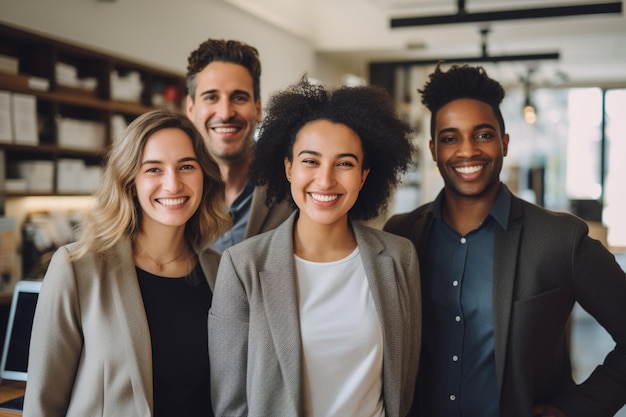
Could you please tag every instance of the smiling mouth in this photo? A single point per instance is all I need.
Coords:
(172, 201)
(226, 129)
(324, 198)
(469, 170)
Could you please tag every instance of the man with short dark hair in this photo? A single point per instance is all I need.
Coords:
(223, 101)
(500, 277)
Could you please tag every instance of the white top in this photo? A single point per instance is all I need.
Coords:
(342, 339)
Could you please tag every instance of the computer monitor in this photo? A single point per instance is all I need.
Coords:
(17, 338)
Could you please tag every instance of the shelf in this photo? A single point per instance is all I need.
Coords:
(52, 150)
(71, 96)
(77, 91)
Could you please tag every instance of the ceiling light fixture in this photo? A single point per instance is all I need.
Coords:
(484, 57)
(536, 13)
(529, 110)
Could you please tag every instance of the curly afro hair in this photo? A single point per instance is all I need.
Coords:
(369, 111)
(461, 81)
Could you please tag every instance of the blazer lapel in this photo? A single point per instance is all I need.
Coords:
(133, 324)
(258, 212)
(504, 267)
(379, 270)
(278, 286)
(421, 232)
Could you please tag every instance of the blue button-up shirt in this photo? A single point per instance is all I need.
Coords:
(458, 352)
(240, 213)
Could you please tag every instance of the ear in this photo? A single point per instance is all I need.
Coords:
(259, 111)
(364, 175)
(287, 168)
(505, 144)
(433, 149)
(189, 107)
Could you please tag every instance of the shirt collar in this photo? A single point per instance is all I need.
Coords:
(500, 210)
(241, 199)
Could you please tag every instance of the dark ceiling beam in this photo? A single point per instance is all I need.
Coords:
(536, 13)
(473, 59)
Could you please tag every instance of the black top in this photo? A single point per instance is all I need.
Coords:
(177, 312)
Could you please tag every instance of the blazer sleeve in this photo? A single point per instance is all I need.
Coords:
(228, 341)
(56, 342)
(600, 288)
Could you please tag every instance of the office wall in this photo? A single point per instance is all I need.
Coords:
(162, 33)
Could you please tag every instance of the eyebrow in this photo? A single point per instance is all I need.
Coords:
(477, 127)
(156, 161)
(217, 90)
(341, 155)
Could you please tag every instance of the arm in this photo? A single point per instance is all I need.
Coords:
(56, 342)
(415, 296)
(600, 288)
(228, 342)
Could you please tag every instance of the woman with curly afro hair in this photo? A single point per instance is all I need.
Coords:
(321, 316)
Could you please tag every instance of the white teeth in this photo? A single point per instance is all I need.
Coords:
(324, 198)
(172, 201)
(225, 129)
(469, 170)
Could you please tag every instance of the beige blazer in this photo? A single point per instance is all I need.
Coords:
(254, 333)
(90, 351)
(263, 218)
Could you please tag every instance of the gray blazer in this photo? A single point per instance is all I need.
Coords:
(544, 262)
(90, 351)
(263, 218)
(254, 333)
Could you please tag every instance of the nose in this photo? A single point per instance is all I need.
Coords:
(326, 177)
(467, 147)
(172, 182)
(224, 109)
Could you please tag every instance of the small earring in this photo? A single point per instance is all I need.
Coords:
(289, 179)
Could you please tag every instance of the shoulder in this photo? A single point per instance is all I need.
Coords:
(390, 241)
(540, 217)
(401, 223)
(252, 244)
(209, 255)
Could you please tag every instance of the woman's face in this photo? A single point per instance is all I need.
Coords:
(326, 173)
(170, 180)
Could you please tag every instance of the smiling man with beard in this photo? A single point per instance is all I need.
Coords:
(500, 277)
(224, 102)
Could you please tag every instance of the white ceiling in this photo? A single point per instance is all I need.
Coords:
(592, 48)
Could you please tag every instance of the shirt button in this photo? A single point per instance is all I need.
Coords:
(455, 358)
(463, 240)
(455, 283)
(457, 318)
(452, 397)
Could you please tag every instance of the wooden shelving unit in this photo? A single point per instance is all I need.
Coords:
(38, 58)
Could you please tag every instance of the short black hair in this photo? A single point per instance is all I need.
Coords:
(368, 110)
(461, 81)
(221, 50)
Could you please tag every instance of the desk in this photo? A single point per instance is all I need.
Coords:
(10, 390)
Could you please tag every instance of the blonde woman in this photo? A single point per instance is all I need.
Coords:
(120, 325)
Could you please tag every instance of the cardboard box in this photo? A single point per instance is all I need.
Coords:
(6, 121)
(81, 134)
(69, 175)
(38, 175)
(24, 110)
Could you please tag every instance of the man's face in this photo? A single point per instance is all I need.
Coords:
(224, 110)
(468, 147)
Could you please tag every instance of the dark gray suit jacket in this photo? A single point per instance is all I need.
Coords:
(254, 333)
(544, 263)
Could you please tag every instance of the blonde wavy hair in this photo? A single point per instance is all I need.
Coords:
(117, 214)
